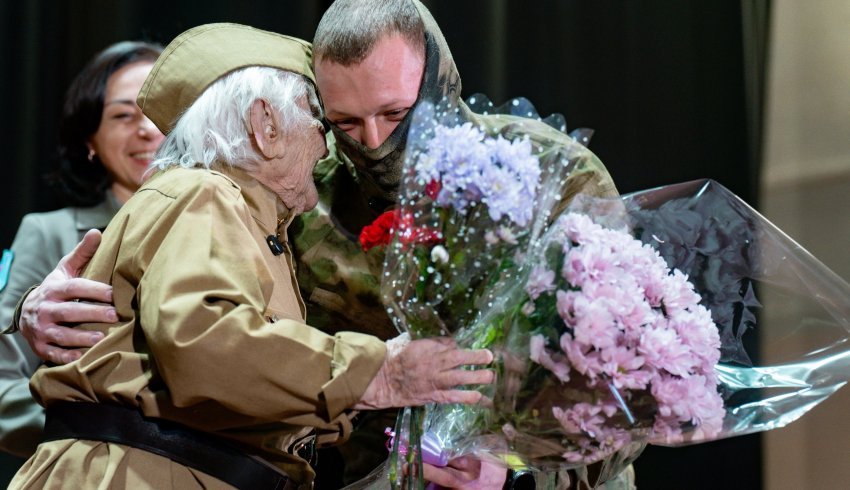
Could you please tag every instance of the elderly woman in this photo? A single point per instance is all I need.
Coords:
(211, 379)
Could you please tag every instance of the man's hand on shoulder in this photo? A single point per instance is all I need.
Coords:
(64, 299)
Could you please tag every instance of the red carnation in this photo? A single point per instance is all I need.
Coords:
(417, 234)
(379, 232)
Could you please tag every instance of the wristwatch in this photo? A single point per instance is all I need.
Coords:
(519, 480)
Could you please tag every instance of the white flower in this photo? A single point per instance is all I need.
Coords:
(507, 235)
(439, 255)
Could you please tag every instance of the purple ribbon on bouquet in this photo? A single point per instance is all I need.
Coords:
(432, 448)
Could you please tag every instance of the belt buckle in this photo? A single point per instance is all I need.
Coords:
(305, 448)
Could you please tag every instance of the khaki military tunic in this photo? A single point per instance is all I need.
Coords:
(211, 335)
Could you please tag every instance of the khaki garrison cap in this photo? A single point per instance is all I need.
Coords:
(202, 55)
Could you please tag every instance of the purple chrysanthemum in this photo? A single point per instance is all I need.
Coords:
(472, 168)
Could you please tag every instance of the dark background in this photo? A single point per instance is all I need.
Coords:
(672, 88)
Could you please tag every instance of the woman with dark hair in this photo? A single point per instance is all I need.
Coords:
(106, 144)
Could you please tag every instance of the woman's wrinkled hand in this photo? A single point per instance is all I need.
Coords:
(426, 371)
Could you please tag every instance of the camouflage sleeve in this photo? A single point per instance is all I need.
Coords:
(338, 280)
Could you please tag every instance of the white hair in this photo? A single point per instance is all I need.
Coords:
(215, 127)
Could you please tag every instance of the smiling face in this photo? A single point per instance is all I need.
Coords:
(125, 140)
(368, 100)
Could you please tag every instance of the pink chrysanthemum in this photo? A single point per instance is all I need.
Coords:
(630, 323)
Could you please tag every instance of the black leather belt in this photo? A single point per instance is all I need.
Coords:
(189, 447)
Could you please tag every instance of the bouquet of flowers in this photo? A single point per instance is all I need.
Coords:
(472, 204)
(612, 314)
(616, 321)
(461, 228)
(603, 348)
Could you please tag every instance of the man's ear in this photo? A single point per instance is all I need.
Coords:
(265, 128)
